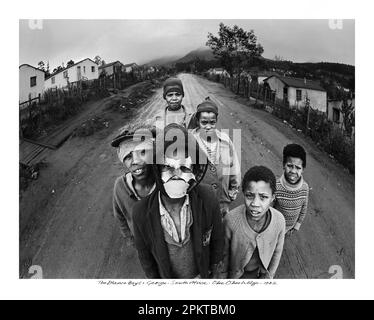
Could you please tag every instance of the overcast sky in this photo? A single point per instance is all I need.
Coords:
(143, 40)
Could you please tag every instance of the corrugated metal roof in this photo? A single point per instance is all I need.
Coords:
(299, 83)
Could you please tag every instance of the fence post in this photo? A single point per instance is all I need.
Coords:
(307, 105)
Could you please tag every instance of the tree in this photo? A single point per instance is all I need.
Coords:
(348, 112)
(97, 60)
(235, 48)
(70, 63)
(41, 65)
(58, 69)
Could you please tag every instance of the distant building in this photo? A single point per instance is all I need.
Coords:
(296, 91)
(85, 69)
(31, 82)
(130, 67)
(260, 76)
(111, 68)
(334, 112)
(218, 72)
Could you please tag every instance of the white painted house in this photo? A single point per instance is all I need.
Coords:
(85, 69)
(296, 91)
(31, 82)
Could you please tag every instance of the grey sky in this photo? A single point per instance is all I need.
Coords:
(143, 40)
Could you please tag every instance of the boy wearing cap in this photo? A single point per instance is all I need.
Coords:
(292, 194)
(223, 172)
(174, 112)
(138, 182)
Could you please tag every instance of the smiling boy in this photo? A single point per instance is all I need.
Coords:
(137, 183)
(292, 192)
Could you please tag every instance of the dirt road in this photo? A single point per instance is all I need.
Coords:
(66, 222)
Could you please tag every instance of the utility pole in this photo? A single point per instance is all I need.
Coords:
(307, 105)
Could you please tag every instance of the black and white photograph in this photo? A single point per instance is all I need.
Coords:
(187, 149)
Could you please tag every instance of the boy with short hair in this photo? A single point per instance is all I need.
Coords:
(174, 112)
(254, 231)
(292, 193)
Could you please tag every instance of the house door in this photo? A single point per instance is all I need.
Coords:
(79, 74)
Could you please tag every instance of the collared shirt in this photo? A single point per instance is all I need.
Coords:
(168, 223)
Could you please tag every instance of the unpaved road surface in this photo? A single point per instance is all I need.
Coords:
(66, 221)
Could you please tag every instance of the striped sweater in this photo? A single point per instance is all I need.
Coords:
(292, 202)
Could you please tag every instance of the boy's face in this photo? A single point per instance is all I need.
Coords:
(208, 121)
(174, 100)
(258, 197)
(293, 170)
(137, 162)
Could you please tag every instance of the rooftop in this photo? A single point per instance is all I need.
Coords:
(299, 83)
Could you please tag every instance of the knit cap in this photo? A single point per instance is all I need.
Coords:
(207, 106)
(173, 84)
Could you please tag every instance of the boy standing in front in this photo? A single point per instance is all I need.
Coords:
(292, 192)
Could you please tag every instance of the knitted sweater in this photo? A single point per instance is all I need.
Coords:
(241, 241)
(292, 202)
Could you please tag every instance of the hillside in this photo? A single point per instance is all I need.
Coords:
(201, 53)
(163, 61)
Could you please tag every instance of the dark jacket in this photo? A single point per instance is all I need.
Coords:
(206, 233)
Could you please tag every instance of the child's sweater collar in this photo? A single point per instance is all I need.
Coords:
(289, 186)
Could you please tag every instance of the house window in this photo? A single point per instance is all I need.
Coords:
(53, 80)
(65, 74)
(93, 69)
(33, 81)
(336, 115)
(84, 69)
(298, 95)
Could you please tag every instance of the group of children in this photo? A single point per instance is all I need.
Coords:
(182, 230)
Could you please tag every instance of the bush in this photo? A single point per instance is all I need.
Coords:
(342, 148)
(91, 126)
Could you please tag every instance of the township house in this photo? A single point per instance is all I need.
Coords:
(31, 83)
(334, 111)
(296, 91)
(85, 69)
(111, 68)
(130, 67)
